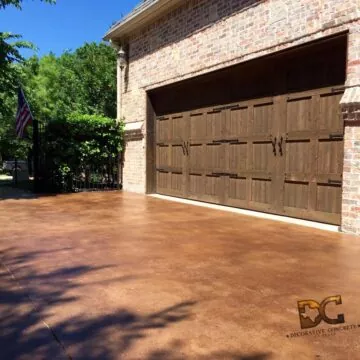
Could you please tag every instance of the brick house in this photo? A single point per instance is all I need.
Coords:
(247, 103)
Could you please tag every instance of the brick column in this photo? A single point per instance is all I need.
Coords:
(350, 106)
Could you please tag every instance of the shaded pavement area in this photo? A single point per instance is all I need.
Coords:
(125, 276)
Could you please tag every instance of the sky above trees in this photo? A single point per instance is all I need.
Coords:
(64, 26)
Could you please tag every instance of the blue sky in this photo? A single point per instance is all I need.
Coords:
(66, 25)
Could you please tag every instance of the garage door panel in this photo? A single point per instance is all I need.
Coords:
(212, 186)
(162, 155)
(176, 182)
(238, 156)
(237, 189)
(330, 112)
(214, 124)
(214, 156)
(177, 128)
(324, 217)
(296, 194)
(263, 115)
(196, 185)
(261, 192)
(239, 122)
(263, 157)
(197, 126)
(328, 198)
(205, 187)
(162, 179)
(298, 157)
(196, 157)
(177, 156)
(313, 156)
(330, 157)
(299, 114)
(163, 129)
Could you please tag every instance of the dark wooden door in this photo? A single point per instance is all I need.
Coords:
(171, 155)
(282, 155)
(206, 155)
(310, 154)
(250, 162)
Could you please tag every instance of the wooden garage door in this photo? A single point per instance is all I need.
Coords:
(282, 155)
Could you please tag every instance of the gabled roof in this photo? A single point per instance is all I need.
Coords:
(145, 12)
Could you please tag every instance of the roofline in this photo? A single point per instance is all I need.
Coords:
(138, 17)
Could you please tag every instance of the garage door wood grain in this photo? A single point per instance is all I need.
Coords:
(282, 154)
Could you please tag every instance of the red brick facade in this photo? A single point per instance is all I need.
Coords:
(200, 36)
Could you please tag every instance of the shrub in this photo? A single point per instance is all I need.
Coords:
(80, 145)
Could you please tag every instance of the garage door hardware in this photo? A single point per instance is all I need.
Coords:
(234, 142)
(336, 136)
(222, 141)
(280, 142)
(185, 147)
(223, 174)
(334, 182)
(162, 170)
(160, 144)
(227, 107)
(273, 142)
(339, 89)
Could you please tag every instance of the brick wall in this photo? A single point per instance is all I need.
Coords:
(350, 104)
(351, 179)
(202, 36)
(134, 165)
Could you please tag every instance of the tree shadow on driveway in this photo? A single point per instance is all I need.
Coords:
(26, 304)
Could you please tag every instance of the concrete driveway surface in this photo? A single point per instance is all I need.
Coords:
(125, 276)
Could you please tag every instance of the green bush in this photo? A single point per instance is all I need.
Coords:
(79, 145)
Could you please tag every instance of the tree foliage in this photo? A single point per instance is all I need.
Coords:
(81, 81)
(18, 3)
(10, 58)
(80, 143)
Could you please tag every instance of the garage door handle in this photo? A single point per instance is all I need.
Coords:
(280, 146)
(274, 145)
(186, 148)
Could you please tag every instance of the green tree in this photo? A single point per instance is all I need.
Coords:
(18, 3)
(10, 56)
(83, 81)
(95, 67)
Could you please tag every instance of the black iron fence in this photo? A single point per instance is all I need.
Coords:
(103, 177)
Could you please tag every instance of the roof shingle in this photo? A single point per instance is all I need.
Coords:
(138, 8)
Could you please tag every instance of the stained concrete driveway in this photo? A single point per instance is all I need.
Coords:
(125, 276)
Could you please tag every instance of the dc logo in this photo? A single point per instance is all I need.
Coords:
(318, 312)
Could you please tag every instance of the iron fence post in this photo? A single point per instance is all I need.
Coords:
(36, 154)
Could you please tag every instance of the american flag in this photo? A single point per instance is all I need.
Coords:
(23, 115)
